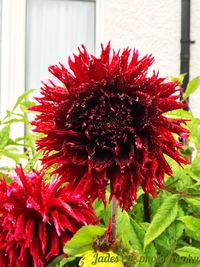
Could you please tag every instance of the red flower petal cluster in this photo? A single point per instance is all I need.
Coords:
(36, 219)
(107, 124)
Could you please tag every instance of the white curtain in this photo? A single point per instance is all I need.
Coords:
(55, 28)
(12, 53)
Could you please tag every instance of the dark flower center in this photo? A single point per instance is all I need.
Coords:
(107, 120)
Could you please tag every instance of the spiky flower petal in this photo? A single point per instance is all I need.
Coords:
(36, 219)
(107, 124)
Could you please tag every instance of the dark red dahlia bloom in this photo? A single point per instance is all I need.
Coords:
(36, 219)
(107, 124)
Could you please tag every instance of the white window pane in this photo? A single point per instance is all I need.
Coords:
(12, 52)
(0, 43)
(55, 28)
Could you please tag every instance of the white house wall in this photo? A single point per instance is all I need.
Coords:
(195, 53)
(153, 27)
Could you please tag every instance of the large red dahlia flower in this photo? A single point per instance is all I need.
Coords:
(107, 124)
(36, 219)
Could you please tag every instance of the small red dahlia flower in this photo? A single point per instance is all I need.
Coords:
(36, 219)
(107, 124)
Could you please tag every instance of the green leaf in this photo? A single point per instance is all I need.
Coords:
(175, 231)
(179, 78)
(139, 231)
(60, 261)
(4, 136)
(55, 262)
(195, 168)
(170, 236)
(163, 218)
(31, 163)
(98, 207)
(106, 214)
(6, 177)
(149, 257)
(25, 105)
(66, 260)
(129, 232)
(24, 120)
(194, 202)
(180, 113)
(29, 140)
(192, 86)
(183, 264)
(14, 156)
(194, 128)
(192, 226)
(82, 241)
(21, 97)
(189, 251)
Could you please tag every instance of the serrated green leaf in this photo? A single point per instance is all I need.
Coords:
(189, 251)
(170, 236)
(129, 232)
(149, 257)
(175, 231)
(139, 230)
(21, 97)
(163, 242)
(192, 86)
(24, 120)
(163, 218)
(183, 261)
(29, 140)
(194, 202)
(188, 264)
(31, 163)
(14, 156)
(172, 264)
(157, 201)
(82, 241)
(178, 261)
(192, 226)
(4, 136)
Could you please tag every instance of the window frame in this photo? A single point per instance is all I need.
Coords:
(0, 40)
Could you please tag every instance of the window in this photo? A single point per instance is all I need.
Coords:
(39, 33)
(54, 30)
(0, 40)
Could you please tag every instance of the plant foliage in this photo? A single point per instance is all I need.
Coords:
(170, 239)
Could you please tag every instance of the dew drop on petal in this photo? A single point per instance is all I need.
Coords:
(9, 206)
(29, 204)
(122, 171)
(9, 191)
